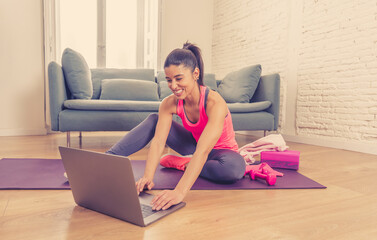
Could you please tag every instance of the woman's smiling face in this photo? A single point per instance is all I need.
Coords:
(181, 80)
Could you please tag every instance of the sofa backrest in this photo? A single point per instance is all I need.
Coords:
(164, 91)
(98, 74)
(269, 90)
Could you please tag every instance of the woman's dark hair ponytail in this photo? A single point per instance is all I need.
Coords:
(190, 56)
(198, 55)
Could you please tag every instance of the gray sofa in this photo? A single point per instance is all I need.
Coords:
(122, 98)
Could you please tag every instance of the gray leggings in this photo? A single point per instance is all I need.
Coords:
(222, 165)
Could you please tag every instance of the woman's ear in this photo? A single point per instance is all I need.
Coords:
(196, 73)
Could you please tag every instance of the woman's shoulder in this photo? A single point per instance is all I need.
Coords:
(215, 97)
(169, 103)
(214, 100)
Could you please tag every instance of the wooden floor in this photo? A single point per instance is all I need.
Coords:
(347, 209)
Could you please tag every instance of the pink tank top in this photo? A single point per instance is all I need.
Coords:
(227, 139)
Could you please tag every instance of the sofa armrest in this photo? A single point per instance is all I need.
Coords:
(58, 93)
(269, 90)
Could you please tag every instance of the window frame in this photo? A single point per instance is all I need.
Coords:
(147, 43)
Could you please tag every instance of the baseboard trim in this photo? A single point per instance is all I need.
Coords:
(356, 146)
(22, 132)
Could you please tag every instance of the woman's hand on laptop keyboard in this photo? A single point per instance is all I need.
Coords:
(144, 183)
(166, 199)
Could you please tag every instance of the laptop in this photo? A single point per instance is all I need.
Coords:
(105, 183)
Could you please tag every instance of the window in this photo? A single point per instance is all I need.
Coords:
(108, 33)
(77, 28)
(121, 33)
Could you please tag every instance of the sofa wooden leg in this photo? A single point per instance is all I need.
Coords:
(265, 133)
(68, 139)
(80, 139)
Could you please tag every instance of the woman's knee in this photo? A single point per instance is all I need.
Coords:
(232, 172)
(236, 171)
(148, 124)
(230, 166)
(223, 174)
(153, 117)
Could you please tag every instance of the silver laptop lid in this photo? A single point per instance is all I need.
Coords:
(103, 183)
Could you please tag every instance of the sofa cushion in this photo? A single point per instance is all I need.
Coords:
(239, 86)
(164, 89)
(129, 89)
(248, 107)
(112, 105)
(142, 106)
(161, 76)
(77, 74)
(208, 79)
(98, 74)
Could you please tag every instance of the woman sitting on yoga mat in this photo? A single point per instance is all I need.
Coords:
(207, 133)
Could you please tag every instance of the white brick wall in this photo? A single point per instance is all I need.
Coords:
(337, 70)
(334, 70)
(247, 33)
(237, 38)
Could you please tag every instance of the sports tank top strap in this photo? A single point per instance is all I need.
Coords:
(203, 102)
(206, 97)
(204, 91)
(179, 107)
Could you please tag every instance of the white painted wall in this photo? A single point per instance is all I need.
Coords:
(325, 52)
(21, 68)
(182, 21)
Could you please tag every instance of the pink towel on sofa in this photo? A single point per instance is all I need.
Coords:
(272, 142)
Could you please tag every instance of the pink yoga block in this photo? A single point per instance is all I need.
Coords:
(287, 159)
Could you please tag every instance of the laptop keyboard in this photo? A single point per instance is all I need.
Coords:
(147, 210)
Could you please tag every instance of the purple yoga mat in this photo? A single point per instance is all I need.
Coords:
(16, 173)
(48, 174)
(167, 178)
